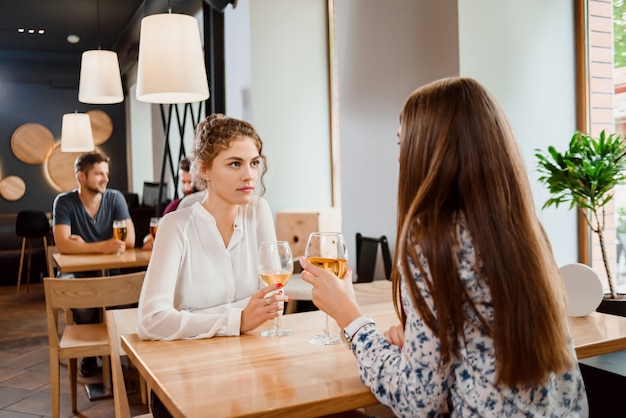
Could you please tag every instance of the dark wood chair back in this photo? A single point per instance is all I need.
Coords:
(367, 255)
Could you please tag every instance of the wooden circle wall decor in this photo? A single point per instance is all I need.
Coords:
(12, 188)
(60, 168)
(101, 126)
(31, 143)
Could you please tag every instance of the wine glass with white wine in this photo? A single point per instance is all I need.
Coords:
(327, 250)
(275, 266)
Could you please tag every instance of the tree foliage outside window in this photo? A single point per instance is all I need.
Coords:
(619, 32)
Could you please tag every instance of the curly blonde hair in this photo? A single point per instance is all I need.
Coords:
(215, 134)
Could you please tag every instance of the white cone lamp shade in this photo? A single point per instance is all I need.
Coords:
(171, 61)
(76, 134)
(100, 81)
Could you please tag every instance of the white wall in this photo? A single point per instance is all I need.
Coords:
(524, 53)
(238, 61)
(290, 100)
(140, 144)
(385, 50)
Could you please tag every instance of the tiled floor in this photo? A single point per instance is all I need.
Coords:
(24, 363)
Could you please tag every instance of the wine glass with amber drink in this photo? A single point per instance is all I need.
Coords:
(327, 250)
(154, 225)
(120, 230)
(275, 266)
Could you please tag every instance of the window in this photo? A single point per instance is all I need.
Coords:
(601, 92)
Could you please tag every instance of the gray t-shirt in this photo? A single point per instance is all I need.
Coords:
(67, 209)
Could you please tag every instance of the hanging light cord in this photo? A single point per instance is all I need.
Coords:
(98, 22)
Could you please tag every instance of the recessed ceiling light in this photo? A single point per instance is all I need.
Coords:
(73, 39)
(21, 30)
(41, 31)
(31, 30)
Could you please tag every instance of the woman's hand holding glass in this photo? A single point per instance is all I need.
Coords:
(275, 266)
(332, 295)
(262, 307)
(328, 251)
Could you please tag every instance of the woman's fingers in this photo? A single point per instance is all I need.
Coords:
(268, 289)
(264, 305)
(395, 335)
(273, 298)
(310, 268)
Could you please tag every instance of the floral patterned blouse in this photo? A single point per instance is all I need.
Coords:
(409, 380)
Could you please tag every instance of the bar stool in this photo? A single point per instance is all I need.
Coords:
(31, 224)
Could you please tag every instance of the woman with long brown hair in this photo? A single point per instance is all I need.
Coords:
(480, 297)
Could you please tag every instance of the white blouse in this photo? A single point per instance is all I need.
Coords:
(195, 287)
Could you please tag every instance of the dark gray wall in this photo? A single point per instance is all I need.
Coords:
(24, 102)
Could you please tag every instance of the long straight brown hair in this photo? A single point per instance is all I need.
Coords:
(458, 157)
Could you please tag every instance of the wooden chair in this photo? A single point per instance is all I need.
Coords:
(119, 322)
(52, 249)
(82, 340)
(367, 256)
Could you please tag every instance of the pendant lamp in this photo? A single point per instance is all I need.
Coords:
(100, 80)
(171, 60)
(76, 134)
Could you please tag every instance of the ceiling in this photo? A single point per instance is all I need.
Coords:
(60, 18)
(23, 55)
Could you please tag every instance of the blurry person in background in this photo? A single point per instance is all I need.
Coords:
(200, 192)
(186, 184)
(187, 187)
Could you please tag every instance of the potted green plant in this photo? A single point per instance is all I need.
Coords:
(585, 175)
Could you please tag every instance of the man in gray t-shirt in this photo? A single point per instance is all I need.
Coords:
(69, 210)
(83, 223)
(83, 218)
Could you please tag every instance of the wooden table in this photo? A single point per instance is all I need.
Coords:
(72, 263)
(598, 333)
(252, 375)
(594, 334)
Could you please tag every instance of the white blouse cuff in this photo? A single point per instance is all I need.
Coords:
(234, 321)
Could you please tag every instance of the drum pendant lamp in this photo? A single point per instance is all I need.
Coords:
(171, 65)
(100, 80)
(76, 134)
